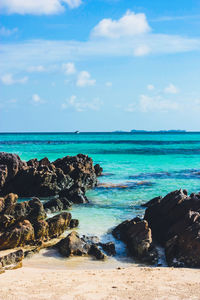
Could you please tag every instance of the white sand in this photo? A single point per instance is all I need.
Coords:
(132, 282)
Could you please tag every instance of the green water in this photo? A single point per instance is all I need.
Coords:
(162, 162)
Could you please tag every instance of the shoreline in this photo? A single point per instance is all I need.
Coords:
(118, 283)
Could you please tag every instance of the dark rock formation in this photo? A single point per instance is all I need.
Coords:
(108, 248)
(96, 252)
(73, 223)
(175, 224)
(98, 170)
(136, 234)
(57, 204)
(12, 260)
(152, 201)
(68, 177)
(25, 223)
(74, 245)
(58, 224)
(19, 234)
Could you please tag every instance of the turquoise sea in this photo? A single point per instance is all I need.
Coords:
(148, 164)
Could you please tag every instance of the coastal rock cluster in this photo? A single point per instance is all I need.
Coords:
(136, 234)
(172, 222)
(74, 245)
(25, 223)
(69, 176)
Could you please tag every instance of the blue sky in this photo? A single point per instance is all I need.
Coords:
(99, 65)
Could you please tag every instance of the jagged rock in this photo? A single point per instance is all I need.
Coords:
(8, 203)
(73, 223)
(53, 205)
(137, 236)
(91, 239)
(73, 245)
(31, 210)
(175, 223)
(3, 175)
(12, 162)
(41, 229)
(29, 253)
(66, 203)
(170, 210)
(109, 248)
(152, 202)
(75, 195)
(57, 204)
(70, 175)
(98, 170)
(12, 260)
(96, 252)
(18, 235)
(58, 224)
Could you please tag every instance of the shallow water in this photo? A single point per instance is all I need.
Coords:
(150, 165)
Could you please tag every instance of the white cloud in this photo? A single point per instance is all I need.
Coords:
(141, 50)
(81, 105)
(130, 24)
(84, 79)
(73, 3)
(8, 79)
(152, 104)
(157, 103)
(69, 68)
(108, 83)
(39, 69)
(171, 89)
(37, 99)
(36, 7)
(7, 32)
(150, 87)
(21, 55)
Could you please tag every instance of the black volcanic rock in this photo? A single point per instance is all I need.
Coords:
(175, 224)
(69, 177)
(74, 245)
(136, 234)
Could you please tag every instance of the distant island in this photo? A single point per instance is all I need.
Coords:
(161, 131)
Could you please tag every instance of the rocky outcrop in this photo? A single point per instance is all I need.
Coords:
(58, 224)
(12, 260)
(67, 177)
(25, 223)
(175, 224)
(108, 248)
(98, 170)
(74, 245)
(19, 234)
(136, 234)
(57, 204)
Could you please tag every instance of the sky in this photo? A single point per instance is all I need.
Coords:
(99, 65)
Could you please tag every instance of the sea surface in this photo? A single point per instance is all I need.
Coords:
(140, 165)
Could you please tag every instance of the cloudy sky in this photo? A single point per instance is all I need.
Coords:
(99, 65)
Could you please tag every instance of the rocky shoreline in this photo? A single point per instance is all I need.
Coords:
(172, 221)
(25, 224)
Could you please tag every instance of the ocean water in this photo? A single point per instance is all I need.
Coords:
(145, 165)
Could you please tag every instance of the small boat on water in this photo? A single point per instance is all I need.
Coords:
(77, 132)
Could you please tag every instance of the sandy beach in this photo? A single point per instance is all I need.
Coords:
(119, 283)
